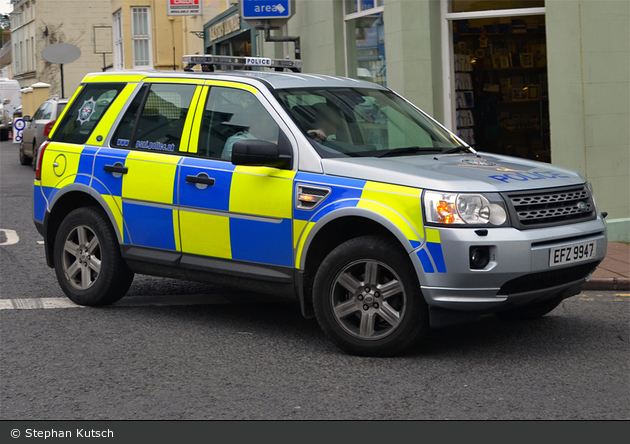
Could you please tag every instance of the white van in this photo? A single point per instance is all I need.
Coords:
(10, 99)
(10, 94)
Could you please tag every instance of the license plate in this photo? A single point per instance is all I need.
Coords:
(574, 253)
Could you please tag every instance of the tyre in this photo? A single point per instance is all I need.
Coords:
(35, 149)
(88, 264)
(4, 135)
(367, 298)
(23, 159)
(532, 311)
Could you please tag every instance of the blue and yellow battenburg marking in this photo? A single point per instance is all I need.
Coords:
(430, 254)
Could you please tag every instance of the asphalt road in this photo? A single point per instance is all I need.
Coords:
(178, 350)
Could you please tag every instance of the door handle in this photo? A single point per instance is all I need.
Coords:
(116, 168)
(201, 178)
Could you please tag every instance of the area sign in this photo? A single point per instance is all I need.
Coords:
(266, 9)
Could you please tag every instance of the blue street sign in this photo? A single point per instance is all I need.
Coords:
(265, 9)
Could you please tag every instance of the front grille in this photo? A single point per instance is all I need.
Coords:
(552, 207)
(547, 279)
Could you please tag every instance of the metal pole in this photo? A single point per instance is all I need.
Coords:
(270, 38)
(62, 90)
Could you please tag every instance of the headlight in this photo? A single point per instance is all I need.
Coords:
(464, 209)
(589, 187)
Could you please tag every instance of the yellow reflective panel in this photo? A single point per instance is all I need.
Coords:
(193, 144)
(262, 191)
(183, 146)
(178, 240)
(301, 238)
(115, 206)
(114, 77)
(107, 121)
(232, 85)
(67, 157)
(205, 234)
(187, 80)
(433, 235)
(399, 204)
(65, 109)
(150, 177)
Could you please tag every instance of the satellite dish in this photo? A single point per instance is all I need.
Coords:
(61, 53)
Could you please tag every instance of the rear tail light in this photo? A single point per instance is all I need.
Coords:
(48, 128)
(40, 157)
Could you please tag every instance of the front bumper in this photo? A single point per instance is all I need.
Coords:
(519, 271)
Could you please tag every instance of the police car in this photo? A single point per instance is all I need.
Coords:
(334, 191)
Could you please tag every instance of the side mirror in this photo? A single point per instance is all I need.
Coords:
(261, 153)
(26, 118)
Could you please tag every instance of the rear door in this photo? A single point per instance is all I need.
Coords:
(140, 168)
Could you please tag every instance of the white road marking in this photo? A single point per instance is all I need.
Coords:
(11, 235)
(134, 301)
(40, 242)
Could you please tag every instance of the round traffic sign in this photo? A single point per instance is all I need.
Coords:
(19, 124)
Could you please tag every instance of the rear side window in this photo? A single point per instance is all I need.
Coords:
(86, 111)
(155, 118)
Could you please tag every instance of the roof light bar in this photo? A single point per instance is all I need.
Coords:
(208, 62)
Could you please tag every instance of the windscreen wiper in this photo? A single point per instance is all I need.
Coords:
(409, 150)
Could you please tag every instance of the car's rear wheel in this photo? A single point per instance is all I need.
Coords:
(35, 147)
(24, 160)
(367, 298)
(88, 264)
(532, 311)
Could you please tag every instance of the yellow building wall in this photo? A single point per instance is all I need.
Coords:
(167, 34)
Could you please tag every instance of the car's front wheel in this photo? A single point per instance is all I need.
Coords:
(367, 298)
(88, 263)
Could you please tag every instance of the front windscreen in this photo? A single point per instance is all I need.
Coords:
(349, 122)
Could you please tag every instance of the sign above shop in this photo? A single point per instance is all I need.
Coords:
(225, 27)
(184, 7)
(267, 9)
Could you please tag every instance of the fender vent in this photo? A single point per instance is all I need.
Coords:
(308, 197)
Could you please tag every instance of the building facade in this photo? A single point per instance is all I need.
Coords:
(145, 36)
(541, 79)
(35, 24)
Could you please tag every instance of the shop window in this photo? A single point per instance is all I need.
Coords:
(488, 5)
(499, 79)
(365, 33)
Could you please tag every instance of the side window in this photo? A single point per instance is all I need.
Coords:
(231, 115)
(155, 118)
(86, 111)
(47, 111)
(40, 112)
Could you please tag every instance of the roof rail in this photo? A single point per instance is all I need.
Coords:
(208, 62)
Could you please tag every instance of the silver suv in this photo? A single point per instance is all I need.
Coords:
(336, 192)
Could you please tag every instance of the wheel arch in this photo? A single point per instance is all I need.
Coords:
(68, 199)
(332, 230)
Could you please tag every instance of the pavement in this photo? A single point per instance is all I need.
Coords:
(614, 271)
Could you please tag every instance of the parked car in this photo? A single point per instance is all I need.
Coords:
(336, 192)
(38, 127)
(5, 123)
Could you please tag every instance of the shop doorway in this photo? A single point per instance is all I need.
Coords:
(498, 77)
